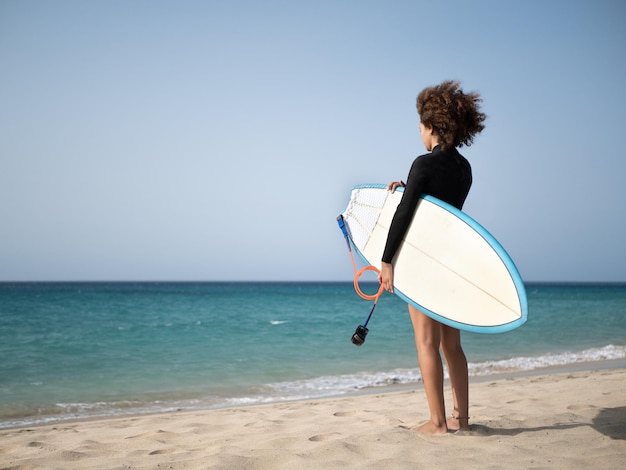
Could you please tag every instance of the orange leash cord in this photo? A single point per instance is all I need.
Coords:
(357, 276)
(358, 338)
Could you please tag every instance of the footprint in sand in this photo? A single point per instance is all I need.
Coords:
(344, 414)
(161, 451)
(324, 437)
(39, 444)
(581, 407)
(73, 455)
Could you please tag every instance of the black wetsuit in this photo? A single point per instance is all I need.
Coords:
(444, 174)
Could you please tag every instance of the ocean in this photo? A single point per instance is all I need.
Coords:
(77, 350)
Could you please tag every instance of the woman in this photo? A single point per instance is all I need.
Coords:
(449, 118)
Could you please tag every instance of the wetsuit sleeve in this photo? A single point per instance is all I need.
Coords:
(415, 187)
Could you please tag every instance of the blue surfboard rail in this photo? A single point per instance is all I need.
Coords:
(491, 240)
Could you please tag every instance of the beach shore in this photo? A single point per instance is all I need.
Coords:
(569, 418)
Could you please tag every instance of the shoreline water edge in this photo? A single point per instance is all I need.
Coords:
(557, 418)
(377, 390)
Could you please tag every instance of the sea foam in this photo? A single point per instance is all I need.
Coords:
(325, 386)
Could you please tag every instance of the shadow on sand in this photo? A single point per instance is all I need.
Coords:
(609, 421)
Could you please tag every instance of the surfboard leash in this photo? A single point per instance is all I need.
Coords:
(358, 338)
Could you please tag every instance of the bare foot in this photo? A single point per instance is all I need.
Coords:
(457, 424)
(430, 428)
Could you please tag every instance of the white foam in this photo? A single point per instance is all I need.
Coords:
(530, 363)
(341, 384)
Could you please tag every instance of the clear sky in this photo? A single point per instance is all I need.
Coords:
(218, 140)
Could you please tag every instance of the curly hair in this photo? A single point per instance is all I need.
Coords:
(454, 116)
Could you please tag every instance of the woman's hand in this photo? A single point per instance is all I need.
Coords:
(395, 184)
(386, 277)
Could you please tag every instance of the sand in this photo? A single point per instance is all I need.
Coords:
(568, 420)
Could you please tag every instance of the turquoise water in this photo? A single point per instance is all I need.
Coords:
(95, 349)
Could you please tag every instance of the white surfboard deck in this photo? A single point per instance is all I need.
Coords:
(448, 266)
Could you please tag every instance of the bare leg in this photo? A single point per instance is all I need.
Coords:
(457, 369)
(427, 339)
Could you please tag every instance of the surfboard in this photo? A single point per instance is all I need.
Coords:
(448, 266)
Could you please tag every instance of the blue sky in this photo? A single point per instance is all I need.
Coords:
(215, 140)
